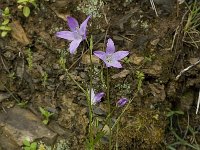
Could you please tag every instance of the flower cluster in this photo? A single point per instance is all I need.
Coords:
(110, 57)
(78, 34)
(96, 98)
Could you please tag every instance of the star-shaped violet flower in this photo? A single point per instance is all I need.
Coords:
(110, 57)
(76, 35)
(122, 102)
(96, 98)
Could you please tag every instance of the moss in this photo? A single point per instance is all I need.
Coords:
(146, 128)
(91, 7)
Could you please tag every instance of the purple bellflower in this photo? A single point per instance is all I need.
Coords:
(76, 35)
(122, 102)
(96, 98)
(110, 57)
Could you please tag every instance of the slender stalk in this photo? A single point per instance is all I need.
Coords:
(118, 119)
(69, 75)
(88, 97)
(109, 108)
(117, 139)
(90, 104)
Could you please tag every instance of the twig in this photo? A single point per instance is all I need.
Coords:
(186, 69)
(153, 7)
(198, 102)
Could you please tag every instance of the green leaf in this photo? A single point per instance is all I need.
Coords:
(21, 1)
(33, 3)
(5, 28)
(27, 148)
(91, 43)
(33, 146)
(26, 11)
(42, 110)
(99, 135)
(5, 22)
(4, 33)
(23, 104)
(169, 114)
(45, 121)
(6, 11)
(179, 112)
(26, 143)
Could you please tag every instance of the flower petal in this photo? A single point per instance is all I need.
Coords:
(83, 27)
(98, 97)
(115, 64)
(68, 35)
(120, 55)
(92, 94)
(122, 102)
(73, 46)
(110, 49)
(72, 23)
(100, 54)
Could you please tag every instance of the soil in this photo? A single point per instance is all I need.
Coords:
(163, 112)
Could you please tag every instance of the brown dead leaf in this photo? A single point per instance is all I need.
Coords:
(62, 16)
(18, 33)
(122, 74)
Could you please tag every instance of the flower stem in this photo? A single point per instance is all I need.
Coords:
(69, 75)
(90, 104)
(109, 107)
(88, 97)
(118, 119)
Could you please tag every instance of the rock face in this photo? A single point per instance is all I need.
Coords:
(18, 124)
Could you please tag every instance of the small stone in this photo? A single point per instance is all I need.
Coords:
(155, 42)
(99, 111)
(56, 66)
(106, 129)
(154, 70)
(61, 77)
(4, 96)
(136, 59)
(117, 38)
(83, 75)
(20, 124)
(86, 59)
(122, 74)
(6, 143)
(194, 60)
(9, 55)
(37, 57)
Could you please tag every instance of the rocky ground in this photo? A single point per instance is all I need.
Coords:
(163, 113)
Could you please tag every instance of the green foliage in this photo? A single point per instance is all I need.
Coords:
(62, 60)
(4, 26)
(140, 77)
(171, 113)
(24, 5)
(44, 79)
(191, 28)
(23, 104)
(27, 145)
(46, 115)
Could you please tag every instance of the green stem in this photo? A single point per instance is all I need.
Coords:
(90, 104)
(69, 75)
(118, 119)
(109, 108)
(88, 97)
